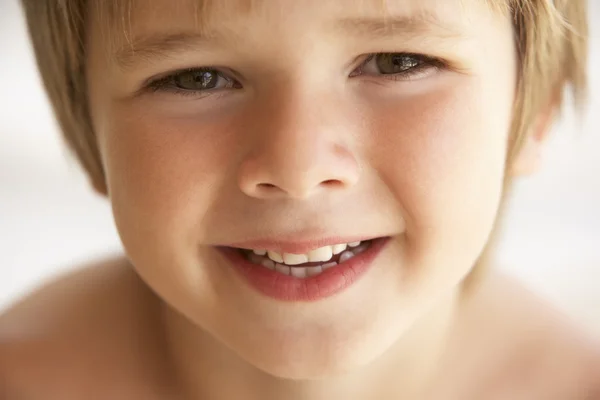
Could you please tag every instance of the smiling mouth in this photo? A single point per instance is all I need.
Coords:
(309, 264)
(315, 275)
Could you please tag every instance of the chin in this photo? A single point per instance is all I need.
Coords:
(313, 358)
(313, 368)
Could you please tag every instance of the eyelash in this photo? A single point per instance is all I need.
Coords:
(426, 63)
(168, 84)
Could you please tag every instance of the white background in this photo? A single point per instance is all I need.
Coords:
(50, 220)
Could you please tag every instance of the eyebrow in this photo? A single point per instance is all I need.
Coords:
(422, 24)
(161, 46)
(152, 47)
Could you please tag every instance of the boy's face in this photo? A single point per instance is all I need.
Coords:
(296, 133)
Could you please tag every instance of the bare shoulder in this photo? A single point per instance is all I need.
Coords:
(542, 352)
(75, 331)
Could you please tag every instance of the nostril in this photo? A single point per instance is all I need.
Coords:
(332, 183)
(268, 186)
(268, 189)
(271, 188)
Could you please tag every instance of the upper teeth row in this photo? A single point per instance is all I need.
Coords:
(317, 255)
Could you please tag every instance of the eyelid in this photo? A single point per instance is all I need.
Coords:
(163, 82)
(428, 63)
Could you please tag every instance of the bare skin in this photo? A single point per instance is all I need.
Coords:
(97, 333)
(316, 133)
(345, 125)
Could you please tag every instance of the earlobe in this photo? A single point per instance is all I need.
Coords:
(529, 159)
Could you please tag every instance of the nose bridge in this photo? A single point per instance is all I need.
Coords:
(298, 147)
(298, 130)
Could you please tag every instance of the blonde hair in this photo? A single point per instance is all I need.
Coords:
(551, 39)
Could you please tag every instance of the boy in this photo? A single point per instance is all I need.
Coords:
(307, 193)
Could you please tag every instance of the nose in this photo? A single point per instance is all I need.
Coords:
(299, 149)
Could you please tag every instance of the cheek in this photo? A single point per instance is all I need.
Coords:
(159, 169)
(442, 154)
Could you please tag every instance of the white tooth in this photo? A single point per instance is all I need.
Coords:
(260, 252)
(275, 257)
(346, 256)
(338, 248)
(312, 271)
(353, 244)
(298, 272)
(282, 269)
(320, 254)
(294, 259)
(328, 265)
(268, 263)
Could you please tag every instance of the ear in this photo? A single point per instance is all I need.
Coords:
(529, 159)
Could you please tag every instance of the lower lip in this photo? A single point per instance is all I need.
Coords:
(288, 288)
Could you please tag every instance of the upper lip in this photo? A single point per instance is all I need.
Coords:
(284, 245)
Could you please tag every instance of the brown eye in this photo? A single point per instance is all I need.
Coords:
(194, 82)
(197, 80)
(399, 66)
(391, 63)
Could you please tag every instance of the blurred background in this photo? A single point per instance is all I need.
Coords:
(51, 221)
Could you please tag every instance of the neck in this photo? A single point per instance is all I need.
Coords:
(205, 368)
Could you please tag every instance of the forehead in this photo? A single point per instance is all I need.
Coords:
(124, 16)
(117, 9)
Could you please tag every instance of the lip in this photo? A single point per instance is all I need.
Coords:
(288, 288)
(296, 247)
